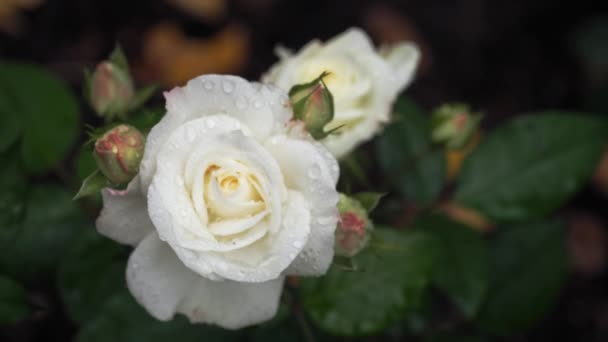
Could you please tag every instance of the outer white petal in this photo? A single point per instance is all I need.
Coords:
(354, 40)
(254, 106)
(403, 59)
(310, 171)
(232, 305)
(124, 217)
(157, 278)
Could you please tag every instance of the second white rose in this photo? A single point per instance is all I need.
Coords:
(364, 82)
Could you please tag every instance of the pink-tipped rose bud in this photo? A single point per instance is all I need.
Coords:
(354, 227)
(111, 90)
(314, 105)
(454, 125)
(118, 153)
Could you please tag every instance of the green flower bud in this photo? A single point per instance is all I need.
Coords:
(354, 227)
(111, 90)
(314, 105)
(454, 125)
(118, 153)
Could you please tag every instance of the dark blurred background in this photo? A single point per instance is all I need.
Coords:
(503, 57)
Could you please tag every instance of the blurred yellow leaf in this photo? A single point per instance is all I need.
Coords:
(174, 58)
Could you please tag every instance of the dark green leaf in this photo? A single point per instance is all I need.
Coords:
(146, 119)
(121, 319)
(395, 273)
(531, 166)
(92, 185)
(13, 302)
(85, 163)
(48, 112)
(10, 124)
(528, 264)
(13, 185)
(455, 338)
(462, 269)
(91, 272)
(407, 157)
(369, 200)
(51, 221)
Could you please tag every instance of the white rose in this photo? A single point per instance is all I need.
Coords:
(225, 205)
(363, 82)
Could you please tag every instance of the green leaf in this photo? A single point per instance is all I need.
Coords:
(407, 157)
(10, 124)
(13, 301)
(142, 96)
(528, 264)
(91, 272)
(455, 338)
(48, 112)
(119, 59)
(85, 163)
(121, 319)
(393, 280)
(462, 269)
(51, 222)
(147, 118)
(369, 200)
(92, 185)
(13, 186)
(531, 166)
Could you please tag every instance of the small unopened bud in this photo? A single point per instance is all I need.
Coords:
(454, 125)
(118, 153)
(314, 105)
(354, 227)
(111, 90)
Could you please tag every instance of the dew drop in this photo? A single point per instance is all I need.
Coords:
(179, 181)
(297, 244)
(257, 104)
(210, 123)
(190, 135)
(208, 85)
(228, 87)
(314, 172)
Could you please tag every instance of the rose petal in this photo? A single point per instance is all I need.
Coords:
(256, 107)
(268, 258)
(311, 172)
(232, 305)
(124, 217)
(403, 59)
(157, 278)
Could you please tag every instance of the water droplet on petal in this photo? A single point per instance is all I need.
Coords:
(190, 135)
(297, 244)
(314, 172)
(257, 104)
(228, 87)
(210, 123)
(208, 85)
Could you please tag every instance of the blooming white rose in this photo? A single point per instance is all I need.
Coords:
(226, 204)
(363, 82)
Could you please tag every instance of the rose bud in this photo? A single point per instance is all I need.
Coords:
(118, 153)
(314, 105)
(111, 90)
(454, 125)
(354, 227)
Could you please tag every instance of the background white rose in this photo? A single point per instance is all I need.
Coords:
(363, 81)
(225, 205)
